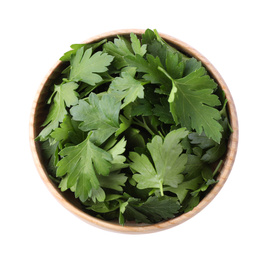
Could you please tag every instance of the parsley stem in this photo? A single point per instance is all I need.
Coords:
(161, 188)
(144, 125)
(217, 168)
(161, 134)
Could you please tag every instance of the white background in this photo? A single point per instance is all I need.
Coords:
(34, 34)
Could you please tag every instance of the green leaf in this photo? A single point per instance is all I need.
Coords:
(101, 116)
(124, 125)
(218, 150)
(148, 37)
(191, 65)
(141, 107)
(168, 161)
(114, 181)
(126, 88)
(136, 46)
(151, 211)
(67, 55)
(192, 178)
(214, 153)
(201, 140)
(119, 49)
(162, 110)
(68, 132)
(207, 175)
(158, 209)
(171, 61)
(185, 187)
(193, 105)
(83, 163)
(134, 138)
(75, 47)
(197, 80)
(191, 203)
(174, 65)
(111, 203)
(149, 66)
(119, 159)
(129, 211)
(50, 151)
(86, 67)
(64, 95)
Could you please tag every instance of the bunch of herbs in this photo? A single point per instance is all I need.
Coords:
(136, 129)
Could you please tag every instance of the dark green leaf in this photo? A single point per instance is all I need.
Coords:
(152, 211)
(193, 105)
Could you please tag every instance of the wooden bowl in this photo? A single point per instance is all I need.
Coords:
(40, 110)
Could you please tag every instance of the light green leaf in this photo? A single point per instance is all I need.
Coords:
(68, 132)
(168, 160)
(64, 95)
(101, 116)
(126, 88)
(119, 49)
(83, 163)
(136, 46)
(119, 159)
(86, 67)
(67, 55)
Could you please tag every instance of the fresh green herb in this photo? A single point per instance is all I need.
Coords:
(136, 130)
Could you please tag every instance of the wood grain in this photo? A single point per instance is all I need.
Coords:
(40, 110)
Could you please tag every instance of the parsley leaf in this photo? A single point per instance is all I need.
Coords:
(50, 152)
(149, 66)
(136, 46)
(63, 95)
(67, 55)
(85, 66)
(115, 181)
(192, 103)
(121, 48)
(68, 132)
(151, 211)
(127, 88)
(167, 158)
(96, 116)
(116, 151)
(83, 163)
(162, 110)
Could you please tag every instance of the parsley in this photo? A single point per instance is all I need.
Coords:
(64, 95)
(95, 115)
(168, 160)
(135, 129)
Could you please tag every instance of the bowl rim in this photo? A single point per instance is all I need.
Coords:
(140, 229)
